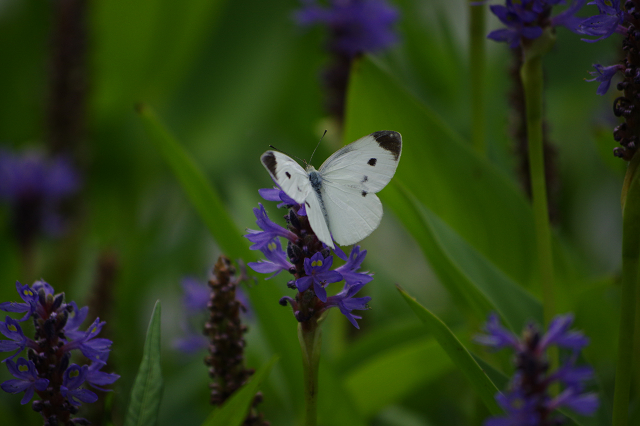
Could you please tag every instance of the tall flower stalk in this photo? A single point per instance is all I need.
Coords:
(623, 18)
(311, 264)
(530, 26)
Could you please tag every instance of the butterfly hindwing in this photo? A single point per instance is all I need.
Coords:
(353, 214)
(318, 219)
(289, 175)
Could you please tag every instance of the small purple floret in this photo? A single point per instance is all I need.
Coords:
(319, 273)
(270, 231)
(604, 76)
(26, 379)
(608, 20)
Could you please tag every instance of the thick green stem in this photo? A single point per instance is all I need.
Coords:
(630, 254)
(310, 338)
(477, 36)
(531, 74)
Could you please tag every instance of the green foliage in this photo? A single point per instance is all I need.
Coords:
(146, 394)
(458, 354)
(171, 188)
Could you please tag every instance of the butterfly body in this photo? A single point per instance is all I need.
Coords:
(340, 197)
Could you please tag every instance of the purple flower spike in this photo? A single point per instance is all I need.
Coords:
(348, 270)
(319, 273)
(276, 260)
(308, 259)
(74, 377)
(347, 303)
(357, 26)
(26, 379)
(28, 295)
(527, 401)
(604, 76)
(270, 231)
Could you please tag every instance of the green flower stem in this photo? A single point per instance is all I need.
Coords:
(476, 66)
(531, 74)
(630, 254)
(310, 338)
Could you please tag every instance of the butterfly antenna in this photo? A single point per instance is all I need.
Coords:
(279, 150)
(314, 151)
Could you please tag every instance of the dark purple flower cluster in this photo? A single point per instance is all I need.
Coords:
(34, 186)
(310, 262)
(356, 26)
(613, 17)
(48, 370)
(526, 19)
(528, 401)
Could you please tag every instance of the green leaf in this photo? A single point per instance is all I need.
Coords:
(235, 409)
(467, 274)
(439, 167)
(374, 384)
(277, 323)
(460, 356)
(146, 393)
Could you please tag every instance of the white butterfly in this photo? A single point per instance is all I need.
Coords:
(340, 197)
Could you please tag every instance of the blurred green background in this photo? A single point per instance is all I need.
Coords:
(228, 79)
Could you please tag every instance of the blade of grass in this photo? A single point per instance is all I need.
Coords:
(146, 393)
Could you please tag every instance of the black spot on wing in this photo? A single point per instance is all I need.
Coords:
(364, 179)
(390, 141)
(372, 161)
(288, 174)
(364, 193)
(269, 161)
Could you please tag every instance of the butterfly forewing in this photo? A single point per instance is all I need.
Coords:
(350, 179)
(291, 177)
(369, 163)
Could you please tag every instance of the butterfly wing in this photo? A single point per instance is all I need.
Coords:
(288, 174)
(318, 218)
(350, 179)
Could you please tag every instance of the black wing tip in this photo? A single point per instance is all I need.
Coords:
(269, 161)
(390, 141)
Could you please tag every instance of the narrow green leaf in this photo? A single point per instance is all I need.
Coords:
(467, 274)
(277, 323)
(146, 393)
(460, 356)
(234, 411)
(374, 384)
(202, 195)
